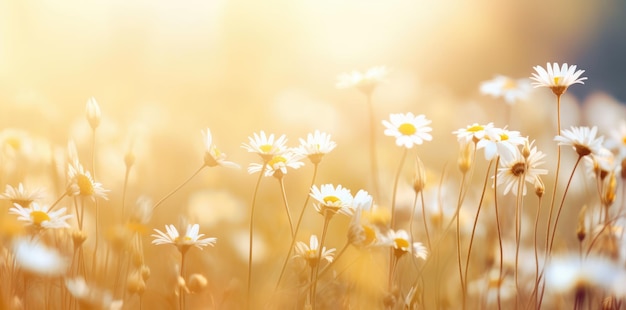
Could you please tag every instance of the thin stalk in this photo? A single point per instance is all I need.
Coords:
(556, 177)
(558, 215)
(254, 196)
(373, 157)
(181, 296)
(327, 218)
(395, 188)
(284, 195)
(495, 198)
(179, 187)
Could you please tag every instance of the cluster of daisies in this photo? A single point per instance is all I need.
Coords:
(49, 241)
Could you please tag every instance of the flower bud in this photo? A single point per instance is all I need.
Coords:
(93, 113)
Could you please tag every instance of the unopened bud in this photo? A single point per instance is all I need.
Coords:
(197, 283)
(420, 176)
(539, 187)
(93, 113)
(581, 229)
(465, 157)
(609, 192)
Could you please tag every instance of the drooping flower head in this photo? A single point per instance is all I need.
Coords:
(331, 200)
(316, 146)
(365, 82)
(212, 155)
(311, 252)
(40, 217)
(582, 139)
(266, 146)
(408, 129)
(502, 86)
(557, 79)
(82, 184)
(183, 243)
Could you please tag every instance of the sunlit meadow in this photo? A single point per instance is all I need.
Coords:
(306, 155)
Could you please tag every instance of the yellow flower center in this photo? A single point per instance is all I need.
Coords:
(85, 185)
(624, 140)
(476, 128)
(401, 243)
(266, 148)
(331, 199)
(407, 129)
(39, 217)
(504, 137)
(13, 142)
(557, 79)
(509, 84)
(276, 160)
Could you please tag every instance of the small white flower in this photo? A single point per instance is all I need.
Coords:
(401, 242)
(191, 237)
(520, 169)
(266, 146)
(502, 142)
(582, 139)
(473, 133)
(408, 129)
(82, 184)
(35, 257)
(212, 155)
(22, 196)
(315, 146)
(365, 82)
(40, 217)
(557, 79)
(277, 166)
(93, 113)
(311, 252)
(502, 86)
(331, 200)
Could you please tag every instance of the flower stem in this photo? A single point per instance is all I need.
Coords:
(179, 187)
(373, 157)
(284, 195)
(558, 215)
(254, 196)
(395, 188)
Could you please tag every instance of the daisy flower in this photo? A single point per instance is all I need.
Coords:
(408, 129)
(191, 238)
(365, 82)
(582, 139)
(512, 171)
(557, 79)
(266, 146)
(90, 297)
(617, 139)
(502, 86)
(82, 184)
(498, 141)
(331, 200)
(212, 155)
(20, 195)
(401, 243)
(311, 252)
(473, 133)
(40, 217)
(316, 146)
(567, 274)
(277, 166)
(601, 164)
(34, 256)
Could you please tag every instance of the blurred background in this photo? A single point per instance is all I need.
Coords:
(163, 70)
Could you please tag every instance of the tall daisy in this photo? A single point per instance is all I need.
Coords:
(40, 217)
(183, 243)
(408, 129)
(277, 166)
(212, 155)
(312, 253)
(557, 79)
(498, 141)
(316, 146)
(582, 139)
(472, 133)
(266, 146)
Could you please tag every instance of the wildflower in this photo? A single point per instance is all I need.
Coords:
(191, 238)
(311, 252)
(566, 274)
(266, 146)
(315, 146)
(20, 195)
(213, 156)
(582, 139)
(617, 140)
(362, 233)
(277, 166)
(41, 217)
(500, 142)
(82, 184)
(34, 256)
(365, 82)
(601, 164)
(331, 200)
(93, 113)
(401, 243)
(197, 283)
(15, 141)
(512, 171)
(557, 79)
(473, 133)
(140, 215)
(91, 297)
(408, 129)
(502, 86)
